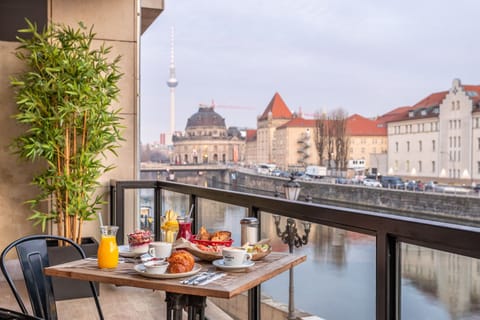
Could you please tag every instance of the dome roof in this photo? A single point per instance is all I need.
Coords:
(206, 117)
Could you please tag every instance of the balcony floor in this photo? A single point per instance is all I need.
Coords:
(117, 303)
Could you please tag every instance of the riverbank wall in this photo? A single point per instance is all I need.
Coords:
(442, 206)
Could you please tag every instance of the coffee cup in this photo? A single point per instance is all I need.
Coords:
(233, 257)
(160, 249)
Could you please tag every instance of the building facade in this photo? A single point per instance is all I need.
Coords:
(367, 142)
(206, 140)
(276, 114)
(294, 144)
(439, 137)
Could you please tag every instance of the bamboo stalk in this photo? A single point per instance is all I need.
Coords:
(67, 173)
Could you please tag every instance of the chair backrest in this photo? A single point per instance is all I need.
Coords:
(6, 314)
(33, 258)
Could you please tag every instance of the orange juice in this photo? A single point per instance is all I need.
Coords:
(107, 252)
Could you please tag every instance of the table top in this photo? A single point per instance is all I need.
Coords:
(230, 285)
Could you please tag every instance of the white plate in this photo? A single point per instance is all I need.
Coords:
(124, 251)
(221, 265)
(140, 268)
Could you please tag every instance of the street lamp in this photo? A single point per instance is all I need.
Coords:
(292, 189)
(291, 237)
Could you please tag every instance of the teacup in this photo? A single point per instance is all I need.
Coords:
(156, 267)
(160, 249)
(233, 257)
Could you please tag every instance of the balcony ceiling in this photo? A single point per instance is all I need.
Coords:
(151, 9)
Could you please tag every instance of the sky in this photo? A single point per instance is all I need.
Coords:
(366, 57)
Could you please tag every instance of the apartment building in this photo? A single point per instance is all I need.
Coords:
(439, 137)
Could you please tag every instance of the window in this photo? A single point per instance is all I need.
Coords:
(407, 165)
(458, 105)
(420, 146)
(433, 167)
(453, 105)
(478, 143)
(419, 166)
(396, 145)
(434, 147)
(478, 167)
(459, 142)
(408, 146)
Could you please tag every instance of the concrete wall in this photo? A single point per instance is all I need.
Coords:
(427, 204)
(116, 22)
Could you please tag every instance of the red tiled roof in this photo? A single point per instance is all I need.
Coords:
(251, 135)
(474, 89)
(278, 108)
(435, 99)
(361, 126)
(394, 115)
(298, 123)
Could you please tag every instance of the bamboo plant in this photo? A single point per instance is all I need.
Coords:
(64, 103)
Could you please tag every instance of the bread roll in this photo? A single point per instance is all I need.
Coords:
(180, 261)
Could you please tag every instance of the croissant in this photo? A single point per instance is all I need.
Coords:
(180, 261)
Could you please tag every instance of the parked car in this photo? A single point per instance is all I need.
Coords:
(341, 180)
(431, 186)
(371, 183)
(392, 182)
(476, 188)
(414, 186)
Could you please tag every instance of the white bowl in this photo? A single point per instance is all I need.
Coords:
(156, 266)
(143, 248)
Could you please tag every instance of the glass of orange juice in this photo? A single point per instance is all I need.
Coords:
(108, 250)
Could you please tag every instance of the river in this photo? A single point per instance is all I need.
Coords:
(337, 281)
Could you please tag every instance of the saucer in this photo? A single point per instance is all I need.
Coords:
(221, 265)
(140, 268)
(124, 251)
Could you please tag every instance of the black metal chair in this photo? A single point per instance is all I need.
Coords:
(33, 258)
(6, 314)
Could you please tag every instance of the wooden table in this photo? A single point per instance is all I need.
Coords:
(180, 295)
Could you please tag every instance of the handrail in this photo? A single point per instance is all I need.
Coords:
(389, 230)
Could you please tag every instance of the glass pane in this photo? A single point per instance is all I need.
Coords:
(340, 269)
(438, 285)
(217, 216)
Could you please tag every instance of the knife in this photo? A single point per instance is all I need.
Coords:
(208, 278)
(195, 277)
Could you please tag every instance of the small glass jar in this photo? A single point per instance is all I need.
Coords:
(184, 228)
(249, 231)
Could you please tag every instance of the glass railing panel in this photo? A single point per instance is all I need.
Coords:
(138, 210)
(438, 285)
(216, 216)
(178, 202)
(339, 270)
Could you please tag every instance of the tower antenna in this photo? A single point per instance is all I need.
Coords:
(172, 83)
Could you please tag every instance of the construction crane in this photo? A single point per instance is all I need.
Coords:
(223, 106)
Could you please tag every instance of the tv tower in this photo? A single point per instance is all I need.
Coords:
(172, 83)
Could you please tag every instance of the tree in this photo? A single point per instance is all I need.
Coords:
(63, 102)
(331, 138)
